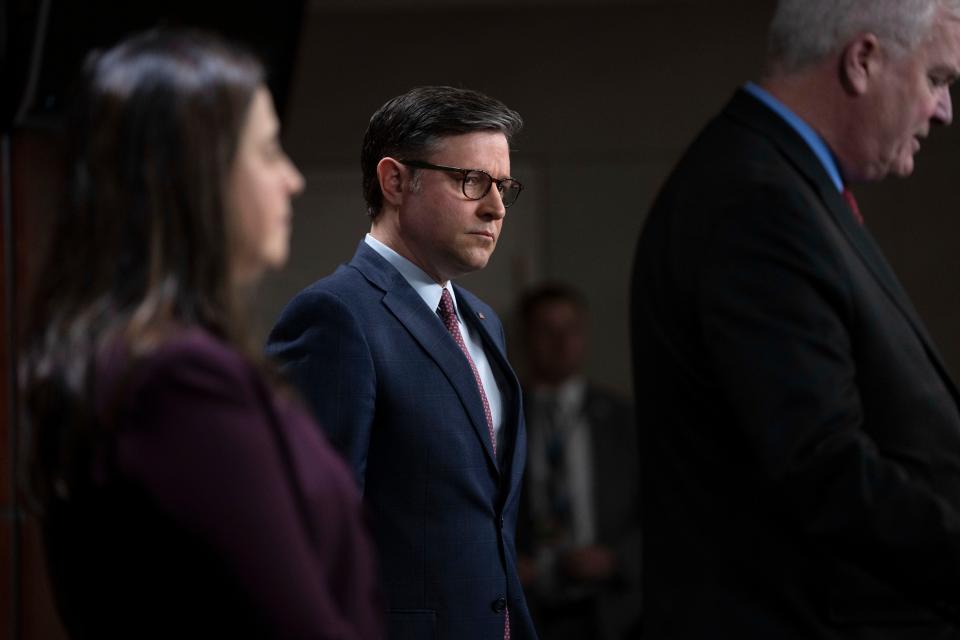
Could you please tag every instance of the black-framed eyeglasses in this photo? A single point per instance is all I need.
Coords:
(476, 183)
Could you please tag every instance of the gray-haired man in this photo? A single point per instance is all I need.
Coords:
(801, 437)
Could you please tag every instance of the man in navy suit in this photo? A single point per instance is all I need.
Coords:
(408, 372)
(800, 435)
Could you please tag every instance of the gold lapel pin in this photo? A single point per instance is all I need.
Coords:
(481, 316)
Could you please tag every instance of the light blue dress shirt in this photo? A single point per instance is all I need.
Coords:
(811, 137)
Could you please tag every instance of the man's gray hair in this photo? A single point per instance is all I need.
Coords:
(804, 32)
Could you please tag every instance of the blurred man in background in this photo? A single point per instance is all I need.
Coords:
(580, 533)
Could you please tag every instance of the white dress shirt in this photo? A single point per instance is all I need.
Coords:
(567, 403)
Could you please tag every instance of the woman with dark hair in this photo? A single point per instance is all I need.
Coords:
(184, 493)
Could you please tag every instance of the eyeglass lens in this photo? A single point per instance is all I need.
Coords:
(476, 184)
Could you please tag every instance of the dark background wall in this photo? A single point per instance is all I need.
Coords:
(612, 92)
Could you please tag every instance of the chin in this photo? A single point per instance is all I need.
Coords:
(903, 168)
(903, 161)
(475, 260)
(276, 253)
(477, 265)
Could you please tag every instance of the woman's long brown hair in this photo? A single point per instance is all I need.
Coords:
(142, 246)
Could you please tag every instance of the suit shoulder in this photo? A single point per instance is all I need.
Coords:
(197, 350)
(189, 362)
(728, 150)
(345, 282)
(333, 312)
(742, 175)
(336, 294)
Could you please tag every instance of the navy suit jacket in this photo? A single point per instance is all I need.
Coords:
(397, 397)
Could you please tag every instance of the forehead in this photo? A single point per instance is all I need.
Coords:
(261, 121)
(487, 150)
(941, 49)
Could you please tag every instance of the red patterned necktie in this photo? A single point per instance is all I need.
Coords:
(852, 203)
(449, 317)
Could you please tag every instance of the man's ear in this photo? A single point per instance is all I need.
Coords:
(860, 62)
(392, 177)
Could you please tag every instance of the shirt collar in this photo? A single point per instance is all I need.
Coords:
(813, 140)
(424, 285)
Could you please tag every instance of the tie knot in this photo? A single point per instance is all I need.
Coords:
(852, 203)
(445, 308)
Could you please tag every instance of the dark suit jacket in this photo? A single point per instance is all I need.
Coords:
(616, 473)
(213, 508)
(398, 398)
(799, 433)
(616, 605)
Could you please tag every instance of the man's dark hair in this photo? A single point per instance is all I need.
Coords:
(409, 125)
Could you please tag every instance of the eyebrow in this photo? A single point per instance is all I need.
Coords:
(480, 170)
(948, 72)
(508, 177)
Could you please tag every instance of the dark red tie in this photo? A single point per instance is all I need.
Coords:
(852, 203)
(449, 317)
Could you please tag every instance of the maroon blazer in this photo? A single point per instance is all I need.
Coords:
(213, 508)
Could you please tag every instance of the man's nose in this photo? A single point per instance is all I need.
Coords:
(944, 111)
(495, 209)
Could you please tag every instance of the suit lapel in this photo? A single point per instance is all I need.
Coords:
(751, 113)
(427, 329)
(870, 254)
(512, 405)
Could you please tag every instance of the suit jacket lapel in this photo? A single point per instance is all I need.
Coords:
(428, 330)
(512, 406)
(751, 113)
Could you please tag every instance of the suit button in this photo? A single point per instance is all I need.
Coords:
(501, 522)
(499, 604)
